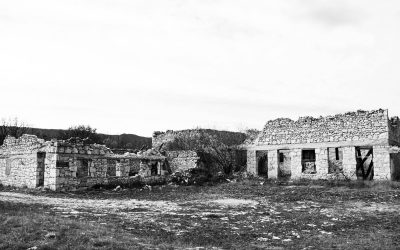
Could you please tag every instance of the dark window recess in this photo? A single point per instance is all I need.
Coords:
(133, 172)
(308, 161)
(111, 170)
(83, 169)
(154, 169)
(337, 153)
(281, 157)
(262, 163)
(62, 164)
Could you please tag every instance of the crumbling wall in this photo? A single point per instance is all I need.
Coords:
(226, 137)
(127, 166)
(152, 167)
(352, 126)
(19, 163)
(81, 165)
(69, 164)
(182, 160)
(386, 163)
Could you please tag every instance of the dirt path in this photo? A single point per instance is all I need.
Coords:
(92, 206)
(261, 219)
(130, 208)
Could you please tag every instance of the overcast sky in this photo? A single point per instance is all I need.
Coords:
(127, 66)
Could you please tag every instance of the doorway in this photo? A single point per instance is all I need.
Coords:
(284, 164)
(41, 157)
(365, 163)
(82, 172)
(262, 163)
(154, 168)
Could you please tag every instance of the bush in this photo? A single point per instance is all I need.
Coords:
(213, 152)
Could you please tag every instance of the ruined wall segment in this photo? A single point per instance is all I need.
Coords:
(71, 164)
(182, 160)
(354, 145)
(194, 148)
(19, 160)
(352, 126)
(226, 137)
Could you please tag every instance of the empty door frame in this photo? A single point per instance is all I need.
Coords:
(284, 164)
(365, 163)
(41, 160)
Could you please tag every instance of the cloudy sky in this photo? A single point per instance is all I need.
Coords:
(135, 66)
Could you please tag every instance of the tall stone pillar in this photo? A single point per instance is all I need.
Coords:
(50, 171)
(295, 159)
(381, 159)
(251, 162)
(349, 162)
(321, 162)
(272, 164)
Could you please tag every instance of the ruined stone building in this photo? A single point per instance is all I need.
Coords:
(355, 145)
(67, 165)
(187, 149)
(71, 164)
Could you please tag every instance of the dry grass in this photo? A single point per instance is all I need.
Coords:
(248, 214)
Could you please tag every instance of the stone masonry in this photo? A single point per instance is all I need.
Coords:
(67, 165)
(355, 145)
(182, 160)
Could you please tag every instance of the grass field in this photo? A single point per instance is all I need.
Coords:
(243, 215)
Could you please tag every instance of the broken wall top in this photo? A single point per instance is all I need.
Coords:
(81, 146)
(226, 137)
(351, 126)
(24, 144)
(30, 143)
(150, 154)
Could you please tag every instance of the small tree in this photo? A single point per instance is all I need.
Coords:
(83, 132)
(12, 127)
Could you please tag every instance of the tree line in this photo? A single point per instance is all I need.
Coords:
(17, 128)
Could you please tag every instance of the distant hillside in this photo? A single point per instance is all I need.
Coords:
(123, 141)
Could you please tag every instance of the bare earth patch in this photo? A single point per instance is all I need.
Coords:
(234, 202)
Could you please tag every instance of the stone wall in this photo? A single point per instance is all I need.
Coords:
(182, 160)
(82, 170)
(386, 164)
(19, 171)
(67, 165)
(226, 137)
(18, 160)
(352, 126)
(381, 160)
(252, 162)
